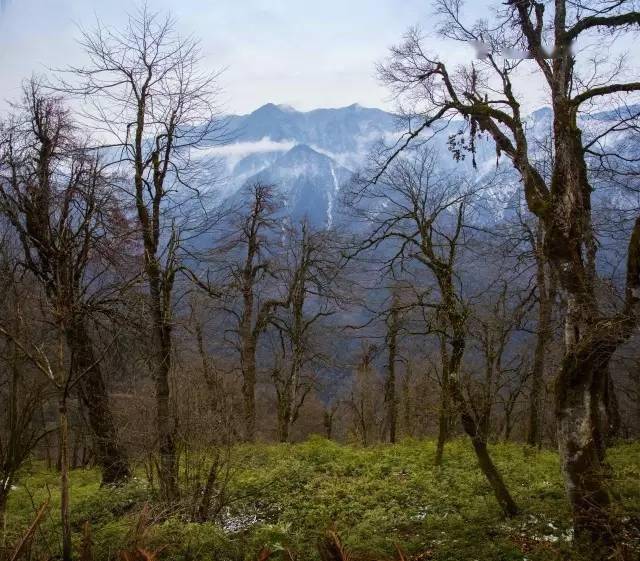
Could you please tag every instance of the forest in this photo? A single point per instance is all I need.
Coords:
(433, 357)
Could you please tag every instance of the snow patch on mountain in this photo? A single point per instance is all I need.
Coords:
(311, 155)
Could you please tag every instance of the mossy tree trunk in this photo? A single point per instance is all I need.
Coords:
(444, 415)
(108, 453)
(390, 397)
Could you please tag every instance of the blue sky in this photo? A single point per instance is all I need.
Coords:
(303, 53)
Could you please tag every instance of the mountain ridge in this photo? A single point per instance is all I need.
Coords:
(309, 155)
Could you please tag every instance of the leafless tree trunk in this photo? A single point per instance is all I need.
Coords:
(546, 295)
(476, 429)
(248, 341)
(61, 226)
(65, 508)
(444, 415)
(361, 399)
(390, 398)
(62, 379)
(94, 395)
(146, 90)
(328, 416)
(254, 318)
(308, 273)
(21, 395)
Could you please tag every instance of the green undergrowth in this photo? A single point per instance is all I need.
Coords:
(287, 496)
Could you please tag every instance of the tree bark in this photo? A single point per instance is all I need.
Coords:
(248, 342)
(582, 424)
(444, 416)
(390, 398)
(456, 319)
(284, 413)
(4, 496)
(109, 454)
(545, 302)
(506, 502)
(613, 410)
(161, 363)
(589, 344)
(207, 493)
(248, 365)
(65, 517)
(327, 422)
(478, 437)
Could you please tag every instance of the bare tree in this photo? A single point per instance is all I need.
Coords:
(328, 418)
(484, 94)
(362, 402)
(243, 263)
(149, 98)
(254, 316)
(61, 371)
(421, 213)
(22, 393)
(309, 270)
(59, 203)
(494, 320)
(390, 383)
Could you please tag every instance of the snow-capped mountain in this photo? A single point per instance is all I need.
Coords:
(310, 155)
(309, 182)
(344, 134)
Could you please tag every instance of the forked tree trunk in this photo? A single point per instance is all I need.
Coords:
(93, 393)
(290, 398)
(582, 427)
(293, 399)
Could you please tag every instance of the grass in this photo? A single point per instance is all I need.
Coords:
(287, 496)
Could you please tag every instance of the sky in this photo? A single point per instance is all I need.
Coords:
(303, 53)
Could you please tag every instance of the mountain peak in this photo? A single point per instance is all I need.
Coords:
(272, 108)
(304, 149)
(302, 154)
(286, 108)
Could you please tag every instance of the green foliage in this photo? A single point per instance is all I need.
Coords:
(187, 541)
(287, 496)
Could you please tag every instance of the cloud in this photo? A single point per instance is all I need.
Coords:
(231, 154)
(241, 149)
